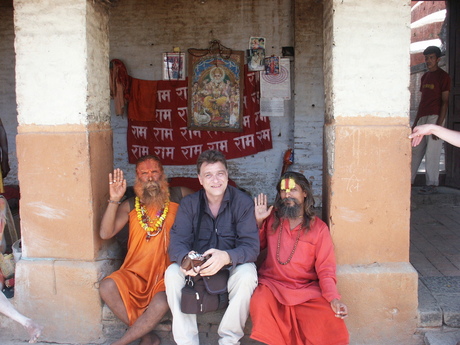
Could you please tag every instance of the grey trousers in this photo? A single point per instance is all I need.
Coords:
(429, 148)
(241, 285)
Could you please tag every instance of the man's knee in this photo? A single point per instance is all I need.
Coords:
(244, 278)
(159, 301)
(107, 287)
(173, 275)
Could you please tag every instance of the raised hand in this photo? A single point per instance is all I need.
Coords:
(261, 208)
(117, 185)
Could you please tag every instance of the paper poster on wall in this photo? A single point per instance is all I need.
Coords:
(272, 65)
(272, 107)
(256, 54)
(277, 85)
(173, 66)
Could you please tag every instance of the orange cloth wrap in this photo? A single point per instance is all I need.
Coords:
(142, 274)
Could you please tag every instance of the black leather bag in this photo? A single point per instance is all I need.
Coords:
(204, 294)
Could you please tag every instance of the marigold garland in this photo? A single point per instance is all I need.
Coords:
(145, 221)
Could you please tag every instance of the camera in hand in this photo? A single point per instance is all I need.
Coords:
(193, 260)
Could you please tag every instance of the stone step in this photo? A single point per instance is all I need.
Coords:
(439, 302)
(442, 337)
(208, 324)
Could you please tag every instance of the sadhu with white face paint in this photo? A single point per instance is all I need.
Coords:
(296, 301)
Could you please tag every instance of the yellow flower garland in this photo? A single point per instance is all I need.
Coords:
(144, 219)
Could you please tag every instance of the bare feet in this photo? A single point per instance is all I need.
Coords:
(150, 339)
(34, 330)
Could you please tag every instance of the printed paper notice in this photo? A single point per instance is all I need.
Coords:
(272, 107)
(277, 85)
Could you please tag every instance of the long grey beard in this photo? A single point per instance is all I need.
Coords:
(290, 212)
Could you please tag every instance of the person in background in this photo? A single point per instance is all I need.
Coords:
(449, 135)
(136, 292)
(228, 232)
(435, 88)
(296, 301)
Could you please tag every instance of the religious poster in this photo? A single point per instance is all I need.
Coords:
(277, 85)
(216, 88)
(257, 43)
(168, 136)
(272, 65)
(256, 54)
(174, 66)
(256, 58)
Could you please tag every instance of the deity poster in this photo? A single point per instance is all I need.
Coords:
(216, 83)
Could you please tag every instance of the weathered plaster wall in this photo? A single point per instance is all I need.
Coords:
(309, 92)
(140, 31)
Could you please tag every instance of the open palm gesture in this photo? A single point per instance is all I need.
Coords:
(261, 208)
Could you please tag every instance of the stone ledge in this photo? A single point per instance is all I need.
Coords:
(208, 324)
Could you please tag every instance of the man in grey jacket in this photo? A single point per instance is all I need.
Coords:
(228, 233)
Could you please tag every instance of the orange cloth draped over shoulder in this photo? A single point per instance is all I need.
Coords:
(142, 274)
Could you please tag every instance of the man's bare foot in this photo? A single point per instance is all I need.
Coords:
(150, 339)
(34, 330)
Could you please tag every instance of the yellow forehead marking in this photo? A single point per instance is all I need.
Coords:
(287, 184)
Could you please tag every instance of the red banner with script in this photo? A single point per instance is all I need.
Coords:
(167, 135)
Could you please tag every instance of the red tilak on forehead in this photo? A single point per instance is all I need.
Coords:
(287, 184)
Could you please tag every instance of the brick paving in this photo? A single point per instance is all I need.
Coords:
(435, 239)
(435, 254)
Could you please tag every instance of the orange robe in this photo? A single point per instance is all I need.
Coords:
(142, 274)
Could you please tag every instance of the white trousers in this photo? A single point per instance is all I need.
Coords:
(241, 284)
(429, 148)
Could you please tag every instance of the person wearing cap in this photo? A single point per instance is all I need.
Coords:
(296, 301)
(435, 88)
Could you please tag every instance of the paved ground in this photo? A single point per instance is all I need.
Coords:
(435, 254)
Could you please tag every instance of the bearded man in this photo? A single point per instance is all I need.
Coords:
(136, 292)
(296, 301)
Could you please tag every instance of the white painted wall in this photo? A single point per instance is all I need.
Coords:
(60, 84)
(372, 55)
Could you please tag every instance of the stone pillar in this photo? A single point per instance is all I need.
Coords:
(367, 165)
(64, 150)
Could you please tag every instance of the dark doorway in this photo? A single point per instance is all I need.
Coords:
(453, 116)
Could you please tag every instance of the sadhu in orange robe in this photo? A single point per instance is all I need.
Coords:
(142, 274)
